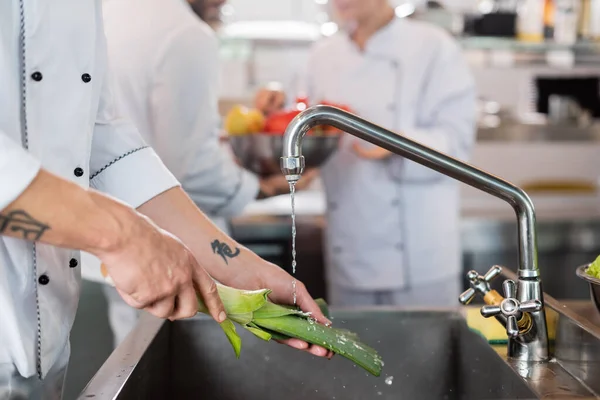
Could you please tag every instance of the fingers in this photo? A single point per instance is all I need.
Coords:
(163, 308)
(186, 304)
(307, 347)
(295, 343)
(207, 289)
(307, 178)
(318, 351)
(129, 300)
(307, 304)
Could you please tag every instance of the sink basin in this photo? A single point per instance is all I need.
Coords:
(429, 354)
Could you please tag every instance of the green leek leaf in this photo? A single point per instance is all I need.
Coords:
(261, 334)
(235, 339)
(330, 338)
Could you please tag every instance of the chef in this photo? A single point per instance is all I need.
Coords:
(164, 60)
(393, 225)
(167, 79)
(62, 143)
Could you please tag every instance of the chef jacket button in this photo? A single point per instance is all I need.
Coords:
(73, 263)
(86, 78)
(37, 76)
(395, 202)
(44, 280)
(78, 172)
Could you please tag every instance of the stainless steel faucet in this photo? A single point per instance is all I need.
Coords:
(522, 312)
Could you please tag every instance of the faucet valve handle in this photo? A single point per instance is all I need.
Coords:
(512, 309)
(479, 284)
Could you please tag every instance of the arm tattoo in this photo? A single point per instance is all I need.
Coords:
(224, 250)
(19, 221)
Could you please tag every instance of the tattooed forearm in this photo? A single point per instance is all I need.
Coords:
(224, 250)
(22, 224)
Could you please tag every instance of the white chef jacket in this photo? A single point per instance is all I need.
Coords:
(165, 60)
(56, 112)
(393, 223)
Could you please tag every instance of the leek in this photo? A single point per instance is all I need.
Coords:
(252, 310)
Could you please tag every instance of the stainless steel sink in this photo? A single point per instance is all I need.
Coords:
(429, 354)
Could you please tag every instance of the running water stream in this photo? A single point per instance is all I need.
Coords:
(292, 193)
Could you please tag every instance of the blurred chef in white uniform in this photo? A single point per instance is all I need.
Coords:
(165, 62)
(60, 134)
(392, 225)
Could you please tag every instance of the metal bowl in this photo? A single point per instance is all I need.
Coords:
(260, 152)
(593, 282)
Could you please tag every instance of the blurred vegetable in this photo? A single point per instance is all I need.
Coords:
(241, 120)
(594, 269)
(277, 123)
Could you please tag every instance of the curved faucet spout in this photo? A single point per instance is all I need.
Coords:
(292, 166)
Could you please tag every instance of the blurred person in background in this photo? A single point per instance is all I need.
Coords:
(165, 62)
(208, 10)
(393, 225)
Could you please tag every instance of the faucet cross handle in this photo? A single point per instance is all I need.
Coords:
(512, 309)
(479, 284)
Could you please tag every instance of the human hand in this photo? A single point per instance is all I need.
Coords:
(259, 274)
(270, 99)
(375, 153)
(277, 184)
(153, 270)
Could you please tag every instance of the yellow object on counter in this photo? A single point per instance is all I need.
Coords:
(489, 328)
(241, 120)
(558, 186)
(494, 332)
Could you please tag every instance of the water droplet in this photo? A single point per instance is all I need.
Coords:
(389, 380)
(379, 393)
(344, 387)
(267, 358)
(294, 290)
(316, 390)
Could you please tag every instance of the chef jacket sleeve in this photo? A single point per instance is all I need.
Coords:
(446, 114)
(121, 164)
(18, 168)
(186, 120)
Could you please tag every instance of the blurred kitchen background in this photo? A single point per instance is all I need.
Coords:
(537, 68)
